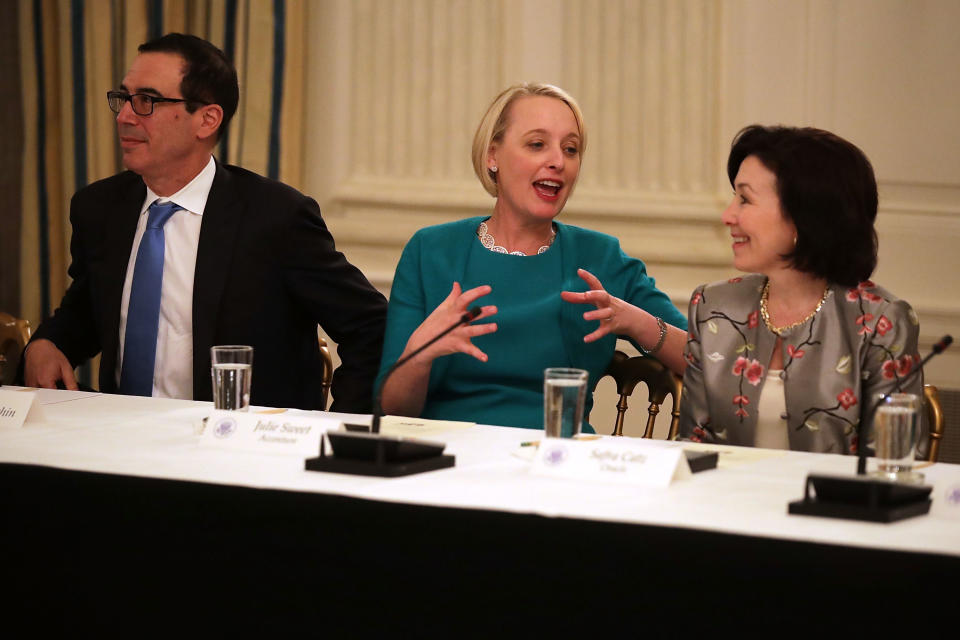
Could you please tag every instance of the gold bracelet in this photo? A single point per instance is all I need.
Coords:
(661, 340)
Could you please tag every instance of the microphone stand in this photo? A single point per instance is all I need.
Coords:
(466, 318)
(372, 454)
(860, 497)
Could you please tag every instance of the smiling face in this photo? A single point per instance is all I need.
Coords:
(171, 141)
(538, 159)
(761, 233)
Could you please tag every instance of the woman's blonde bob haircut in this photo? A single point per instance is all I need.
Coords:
(494, 124)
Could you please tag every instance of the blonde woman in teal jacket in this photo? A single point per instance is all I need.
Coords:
(516, 262)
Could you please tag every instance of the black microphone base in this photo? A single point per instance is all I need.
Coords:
(861, 498)
(375, 455)
(331, 464)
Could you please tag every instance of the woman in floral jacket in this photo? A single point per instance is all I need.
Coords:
(794, 354)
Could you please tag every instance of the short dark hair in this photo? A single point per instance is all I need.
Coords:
(208, 78)
(827, 189)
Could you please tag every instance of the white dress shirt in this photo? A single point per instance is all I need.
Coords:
(173, 367)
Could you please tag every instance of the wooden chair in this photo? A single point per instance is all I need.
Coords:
(327, 370)
(14, 335)
(660, 381)
(934, 415)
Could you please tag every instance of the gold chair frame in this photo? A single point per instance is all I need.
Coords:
(327, 371)
(935, 421)
(660, 381)
(14, 336)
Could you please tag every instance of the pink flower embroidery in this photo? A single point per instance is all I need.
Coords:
(734, 280)
(889, 369)
(697, 297)
(740, 365)
(847, 398)
(861, 292)
(753, 320)
(750, 368)
(793, 352)
(741, 400)
(863, 320)
(904, 365)
(741, 412)
(883, 325)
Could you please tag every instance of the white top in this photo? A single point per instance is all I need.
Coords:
(771, 408)
(173, 367)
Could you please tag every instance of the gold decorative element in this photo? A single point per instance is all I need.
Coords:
(766, 315)
(489, 242)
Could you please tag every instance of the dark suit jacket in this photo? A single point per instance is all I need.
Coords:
(267, 274)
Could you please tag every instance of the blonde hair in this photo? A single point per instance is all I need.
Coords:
(494, 124)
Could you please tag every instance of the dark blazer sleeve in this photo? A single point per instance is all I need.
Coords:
(103, 219)
(343, 302)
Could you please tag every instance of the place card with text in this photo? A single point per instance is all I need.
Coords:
(266, 432)
(18, 406)
(619, 460)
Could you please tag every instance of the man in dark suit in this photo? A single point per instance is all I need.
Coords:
(242, 259)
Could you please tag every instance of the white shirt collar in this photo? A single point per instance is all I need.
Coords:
(193, 196)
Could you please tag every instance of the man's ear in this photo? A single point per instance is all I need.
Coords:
(209, 117)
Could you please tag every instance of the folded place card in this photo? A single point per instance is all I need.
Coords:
(18, 406)
(619, 460)
(266, 433)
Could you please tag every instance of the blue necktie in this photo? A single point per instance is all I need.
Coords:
(143, 310)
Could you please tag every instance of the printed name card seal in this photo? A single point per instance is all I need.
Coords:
(265, 433)
(617, 460)
(18, 407)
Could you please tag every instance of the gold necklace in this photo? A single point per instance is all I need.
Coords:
(766, 314)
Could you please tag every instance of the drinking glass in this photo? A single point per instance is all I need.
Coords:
(231, 373)
(896, 426)
(564, 391)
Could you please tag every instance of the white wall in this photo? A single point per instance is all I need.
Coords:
(397, 87)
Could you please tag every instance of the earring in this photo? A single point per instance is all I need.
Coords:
(794, 242)
(493, 169)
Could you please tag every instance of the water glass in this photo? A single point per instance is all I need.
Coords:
(896, 427)
(564, 392)
(231, 373)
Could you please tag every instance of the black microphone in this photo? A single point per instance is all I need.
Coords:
(468, 317)
(938, 348)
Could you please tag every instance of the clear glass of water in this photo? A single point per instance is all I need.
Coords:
(564, 392)
(231, 372)
(896, 427)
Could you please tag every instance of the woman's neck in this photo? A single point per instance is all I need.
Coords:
(792, 295)
(516, 235)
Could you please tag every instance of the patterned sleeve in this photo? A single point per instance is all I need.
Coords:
(892, 354)
(694, 414)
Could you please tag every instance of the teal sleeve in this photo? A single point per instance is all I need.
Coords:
(407, 306)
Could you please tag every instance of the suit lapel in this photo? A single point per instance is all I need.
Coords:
(120, 232)
(215, 250)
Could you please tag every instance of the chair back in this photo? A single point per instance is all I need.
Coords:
(660, 381)
(933, 412)
(327, 371)
(14, 336)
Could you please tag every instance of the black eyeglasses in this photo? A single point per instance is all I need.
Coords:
(142, 103)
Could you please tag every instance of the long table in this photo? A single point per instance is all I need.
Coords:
(113, 512)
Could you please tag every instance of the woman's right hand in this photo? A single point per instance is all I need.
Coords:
(458, 340)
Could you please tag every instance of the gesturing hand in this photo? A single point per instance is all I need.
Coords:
(458, 340)
(615, 315)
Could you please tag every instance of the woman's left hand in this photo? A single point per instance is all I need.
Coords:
(616, 316)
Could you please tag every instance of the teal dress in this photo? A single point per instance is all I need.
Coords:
(536, 328)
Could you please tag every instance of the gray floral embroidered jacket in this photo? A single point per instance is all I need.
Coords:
(862, 342)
